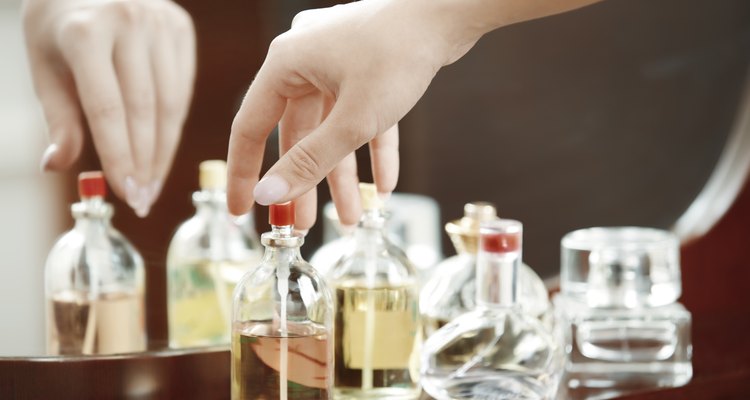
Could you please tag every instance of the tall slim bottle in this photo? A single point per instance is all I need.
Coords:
(282, 322)
(94, 282)
(208, 255)
(377, 320)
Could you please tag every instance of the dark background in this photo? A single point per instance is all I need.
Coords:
(610, 115)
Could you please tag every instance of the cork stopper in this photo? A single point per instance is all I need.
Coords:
(368, 192)
(464, 232)
(213, 175)
(281, 214)
(91, 184)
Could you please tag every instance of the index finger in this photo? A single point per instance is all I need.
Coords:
(261, 110)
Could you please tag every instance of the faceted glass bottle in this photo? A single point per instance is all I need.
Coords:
(377, 323)
(94, 282)
(282, 322)
(451, 290)
(207, 256)
(496, 351)
(623, 327)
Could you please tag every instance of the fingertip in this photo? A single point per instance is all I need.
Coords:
(271, 190)
(239, 195)
(46, 164)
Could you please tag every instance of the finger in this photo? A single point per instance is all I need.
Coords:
(260, 112)
(173, 58)
(344, 185)
(57, 93)
(301, 116)
(347, 127)
(134, 72)
(305, 210)
(384, 160)
(89, 55)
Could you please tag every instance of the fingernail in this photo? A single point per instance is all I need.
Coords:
(302, 232)
(346, 230)
(47, 156)
(137, 197)
(384, 196)
(270, 190)
(238, 219)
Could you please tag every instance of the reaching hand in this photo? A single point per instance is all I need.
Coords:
(128, 67)
(340, 78)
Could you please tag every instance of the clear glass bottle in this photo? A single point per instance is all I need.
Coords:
(94, 282)
(496, 351)
(209, 253)
(451, 290)
(624, 329)
(282, 322)
(412, 224)
(377, 323)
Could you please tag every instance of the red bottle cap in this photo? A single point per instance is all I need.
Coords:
(281, 214)
(91, 184)
(501, 242)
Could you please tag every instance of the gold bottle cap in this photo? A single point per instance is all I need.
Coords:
(464, 232)
(213, 175)
(368, 192)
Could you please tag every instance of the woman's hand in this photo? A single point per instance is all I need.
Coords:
(340, 78)
(127, 67)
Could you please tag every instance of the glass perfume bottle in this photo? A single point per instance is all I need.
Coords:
(623, 327)
(94, 282)
(451, 290)
(495, 351)
(282, 322)
(412, 224)
(377, 323)
(209, 253)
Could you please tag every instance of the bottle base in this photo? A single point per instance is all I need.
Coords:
(376, 393)
(495, 387)
(627, 376)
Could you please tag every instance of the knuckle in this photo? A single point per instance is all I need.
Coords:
(128, 12)
(78, 28)
(304, 164)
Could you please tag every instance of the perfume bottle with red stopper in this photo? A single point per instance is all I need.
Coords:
(94, 282)
(282, 344)
(496, 351)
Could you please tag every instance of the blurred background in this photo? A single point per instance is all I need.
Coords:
(611, 115)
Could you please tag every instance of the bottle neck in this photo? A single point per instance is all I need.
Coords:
(497, 279)
(371, 227)
(93, 210)
(208, 202)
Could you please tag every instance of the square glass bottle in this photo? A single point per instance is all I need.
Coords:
(623, 327)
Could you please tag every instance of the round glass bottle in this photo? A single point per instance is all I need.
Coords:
(282, 322)
(209, 253)
(496, 351)
(377, 323)
(94, 282)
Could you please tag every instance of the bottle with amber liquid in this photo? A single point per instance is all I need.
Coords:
(282, 322)
(94, 282)
(377, 320)
(208, 255)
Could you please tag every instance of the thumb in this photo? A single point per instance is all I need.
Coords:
(62, 112)
(301, 168)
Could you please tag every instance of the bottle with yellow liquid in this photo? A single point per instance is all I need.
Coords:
(208, 255)
(377, 320)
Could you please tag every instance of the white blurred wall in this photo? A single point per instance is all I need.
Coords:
(30, 216)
